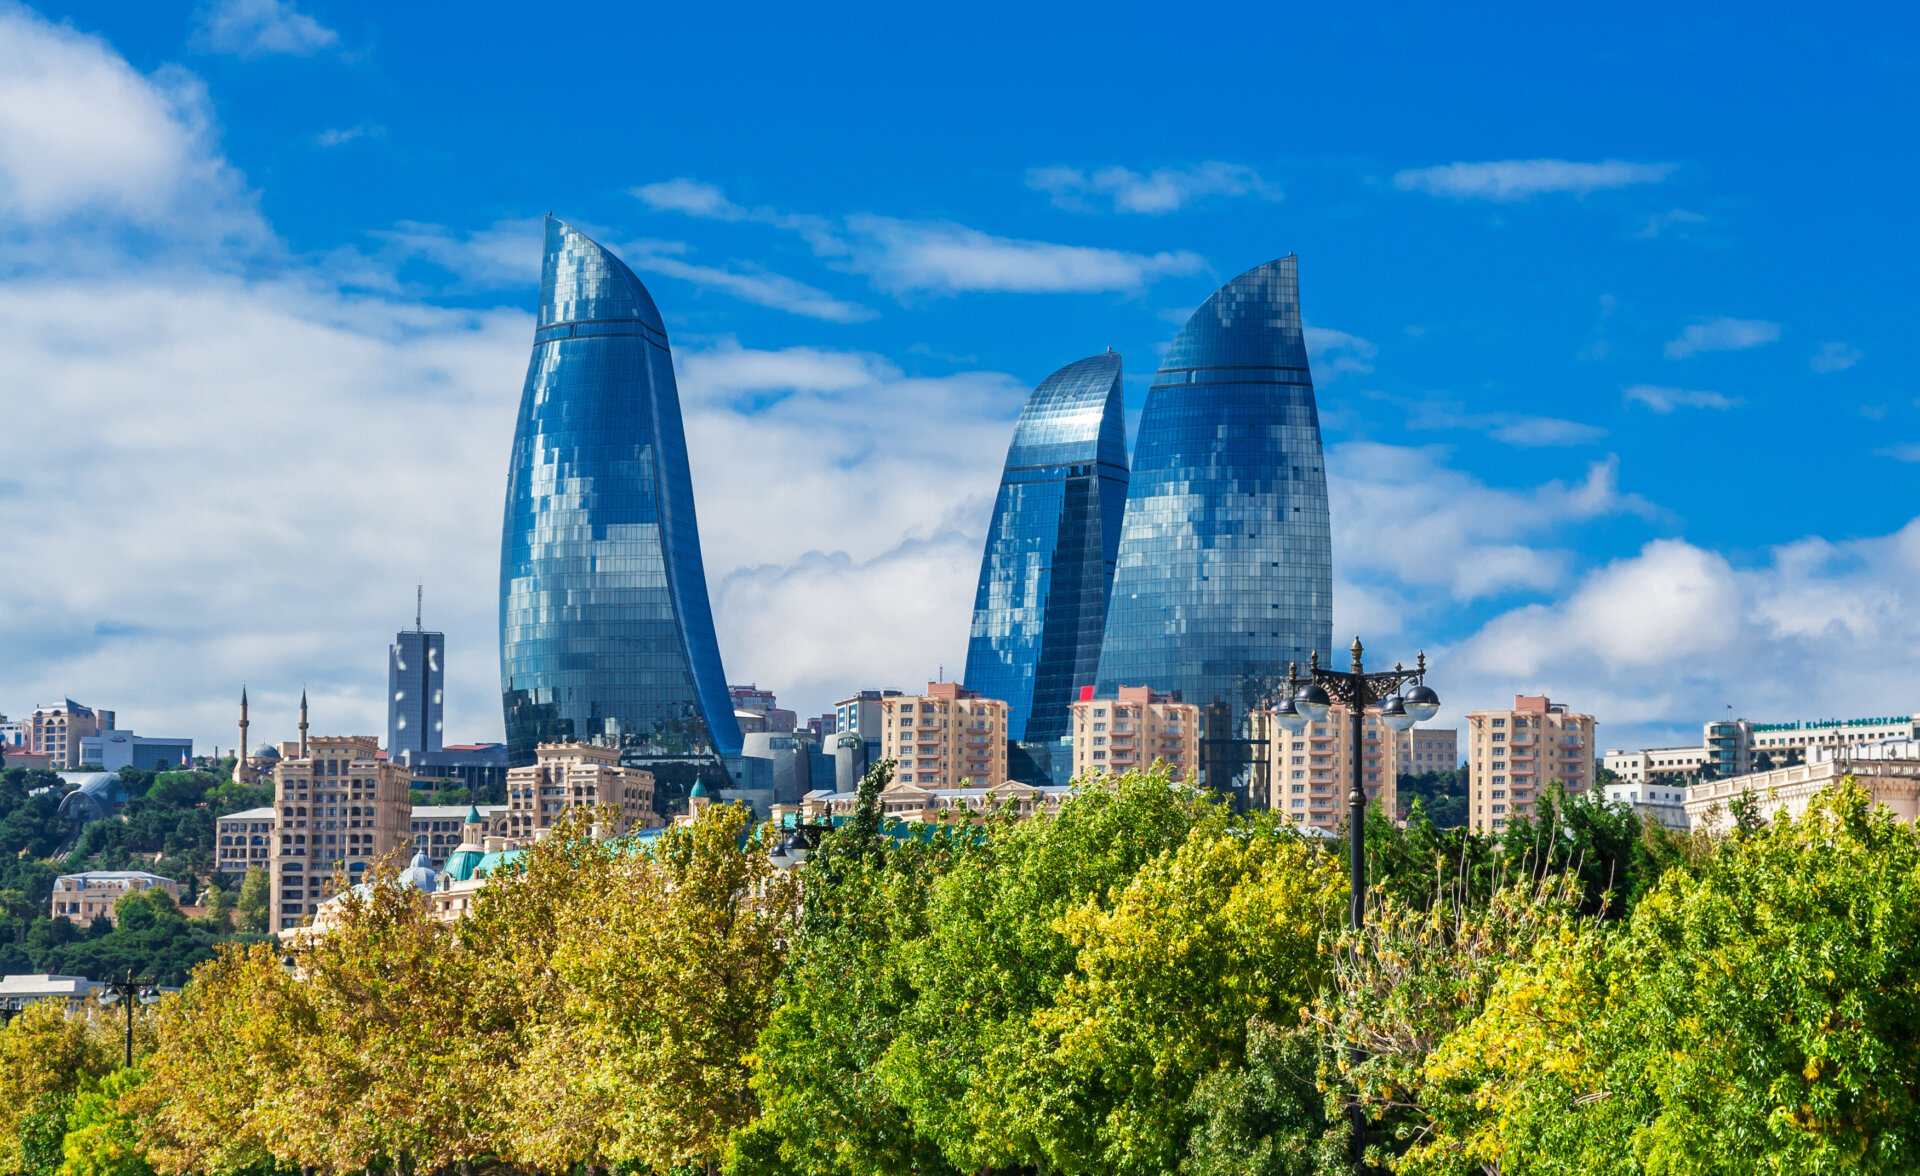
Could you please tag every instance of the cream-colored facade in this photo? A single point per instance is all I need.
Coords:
(340, 808)
(1135, 729)
(1513, 754)
(246, 839)
(1427, 749)
(89, 896)
(567, 776)
(948, 737)
(1676, 766)
(1893, 781)
(910, 802)
(1312, 772)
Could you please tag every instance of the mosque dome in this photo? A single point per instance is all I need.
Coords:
(420, 874)
(699, 790)
(460, 862)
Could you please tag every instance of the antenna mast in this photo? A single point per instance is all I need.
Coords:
(419, 592)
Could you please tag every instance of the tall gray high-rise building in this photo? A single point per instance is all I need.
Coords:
(416, 689)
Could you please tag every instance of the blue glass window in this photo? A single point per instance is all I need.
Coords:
(1040, 607)
(605, 628)
(1225, 570)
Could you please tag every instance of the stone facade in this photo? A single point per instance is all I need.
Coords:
(1135, 729)
(566, 776)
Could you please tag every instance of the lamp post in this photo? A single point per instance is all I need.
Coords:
(131, 991)
(1309, 703)
(10, 1008)
(1399, 709)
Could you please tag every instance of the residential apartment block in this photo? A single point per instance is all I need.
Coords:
(1427, 749)
(567, 776)
(1136, 729)
(341, 808)
(1512, 754)
(246, 840)
(1312, 772)
(89, 896)
(948, 737)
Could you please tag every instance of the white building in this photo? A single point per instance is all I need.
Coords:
(1890, 773)
(1656, 801)
(89, 896)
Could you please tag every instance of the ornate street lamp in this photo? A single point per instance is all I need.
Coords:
(1309, 702)
(132, 991)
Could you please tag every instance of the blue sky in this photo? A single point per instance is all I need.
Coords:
(1608, 317)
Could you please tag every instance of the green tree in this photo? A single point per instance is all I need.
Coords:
(1754, 1013)
(102, 1138)
(255, 901)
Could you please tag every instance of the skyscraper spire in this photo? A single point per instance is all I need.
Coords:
(419, 596)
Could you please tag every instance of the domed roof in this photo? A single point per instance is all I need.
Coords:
(699, 790)
(420, 874)
(460, 862)
(473, 815)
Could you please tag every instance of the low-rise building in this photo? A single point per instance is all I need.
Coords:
(1135, 729)
(114, 749)
(91, 895)
(948, 737)
(17, 992)
(1890, 773)
(437, 830)
(1779, 745)
(1513, 754)
(922, 805)
(1654, 801)
(567, 776)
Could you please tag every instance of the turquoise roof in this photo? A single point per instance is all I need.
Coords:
(699, 790)
(473, 814)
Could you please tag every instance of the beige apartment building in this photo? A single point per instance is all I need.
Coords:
(1136, 729)
(1427, 749)
(911, 802)
(89, 896)
(57, 730)
(567, 776)
(1513, 754)
(1311, 772)
(246, 840)
(1676, 766)
(340, 809)
(948, 737)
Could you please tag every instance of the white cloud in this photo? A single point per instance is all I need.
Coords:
(335, 136)
(1404, 521)
(1908, 452)
(1722, 334)
(1834, 357)
(750, 283)
(88, 142)
(1665, 400)
(937, 257)
(1165, 189)
(1656, 643)
(255, 28)
(906, 257)
(1516, 429)
(692, 198)
(1336, 353)
(1523, 179)
(507, 255)
(1659, 222)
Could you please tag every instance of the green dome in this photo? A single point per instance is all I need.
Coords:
(473, 814)
(460, 863)
(699, 790)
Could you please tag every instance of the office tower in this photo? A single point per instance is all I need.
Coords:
(1225, 571)
(606, 635)
(1040, 607)
(416, 681)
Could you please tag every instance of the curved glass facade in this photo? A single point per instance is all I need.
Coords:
(605, 629)
(1226, 566)
(1040, 609)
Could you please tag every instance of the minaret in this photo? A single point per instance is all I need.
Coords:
(303, 722)
(240, 762)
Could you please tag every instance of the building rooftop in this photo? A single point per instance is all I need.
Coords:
(252, 814)
(453, 812)
(114, 876)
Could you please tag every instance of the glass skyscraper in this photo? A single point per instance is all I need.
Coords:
(1041, 606)
(605, 629)
(1226, 565)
